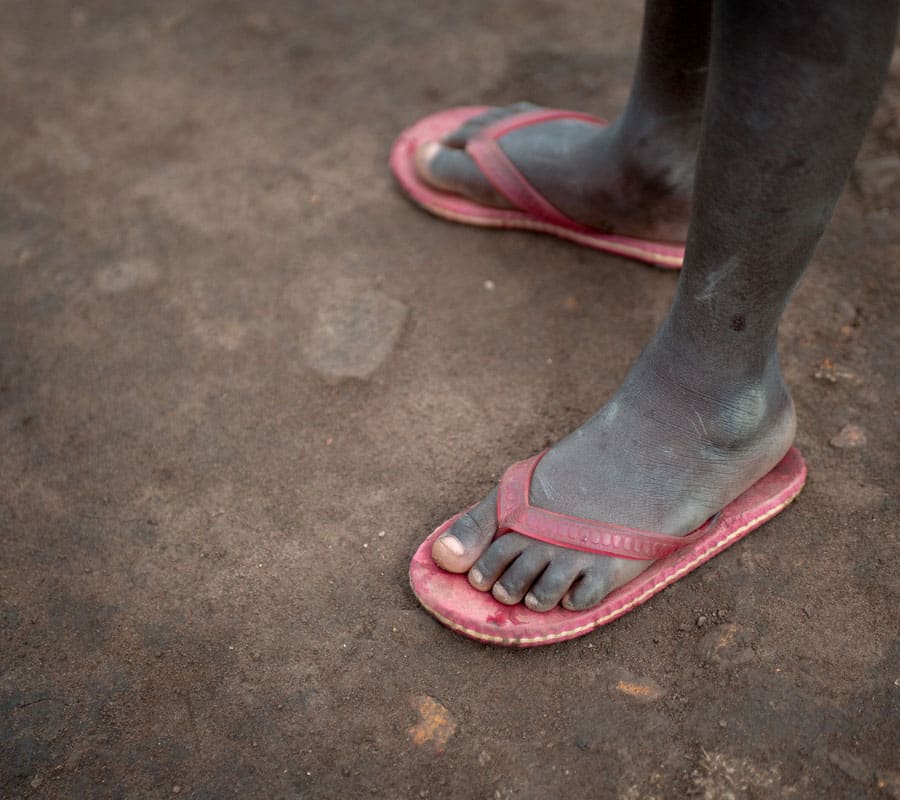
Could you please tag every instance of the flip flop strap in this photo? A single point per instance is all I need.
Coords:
(506, 178)
(516, 514)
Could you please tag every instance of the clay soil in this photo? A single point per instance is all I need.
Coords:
(241, 377)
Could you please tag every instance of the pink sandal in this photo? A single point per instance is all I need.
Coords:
(533, 212)
(454, 602)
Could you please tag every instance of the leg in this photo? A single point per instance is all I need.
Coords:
(705, 413)
(634, 177)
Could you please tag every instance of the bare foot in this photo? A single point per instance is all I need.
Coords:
(618, 180)
(670, 449)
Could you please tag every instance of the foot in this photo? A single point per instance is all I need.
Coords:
(669, 450)
(633, 179)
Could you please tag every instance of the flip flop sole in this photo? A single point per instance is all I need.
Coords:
(454, 602)
(459, 209)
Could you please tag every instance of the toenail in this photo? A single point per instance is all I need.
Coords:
(426, 153)
(501, 594)
(453, 544)
(532, 602)
(475, 577)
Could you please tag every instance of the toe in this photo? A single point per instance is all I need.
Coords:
(472, 126)
(454, 171)
(495, 560)
(554, 582)
(459, 137)
(459, 548)
(589, 591)
(512, 585)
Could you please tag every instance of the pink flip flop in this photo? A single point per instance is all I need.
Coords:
(533, 212)
(454, 602)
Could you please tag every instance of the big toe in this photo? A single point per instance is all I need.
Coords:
(460, 547)
(453, 170)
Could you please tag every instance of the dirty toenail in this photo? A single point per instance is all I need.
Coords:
(532, 602)
(501, 594)
(475, 577)
(453, 544)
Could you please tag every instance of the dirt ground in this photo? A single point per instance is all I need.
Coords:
(242, 377)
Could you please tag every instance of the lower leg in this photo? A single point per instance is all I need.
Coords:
(792, 89)
(633, 177)
(705, 413)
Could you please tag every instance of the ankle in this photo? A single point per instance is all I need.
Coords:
(737, 405)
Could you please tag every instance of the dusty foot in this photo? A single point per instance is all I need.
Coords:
(669, 450)
(629, 178)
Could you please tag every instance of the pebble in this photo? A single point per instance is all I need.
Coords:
(641, 689)
(846, 312)
(435, 727)
(825, 371)
(133, 273)
(261, 24)
(849, 436)
(727, 645)
(355, 331)
(878, 176)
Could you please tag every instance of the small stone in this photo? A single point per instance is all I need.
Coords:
(701, 621)
(889, 782)
(722, 723)
(851, 765)
(849, 436)
(176, 789)
(831, 372)
(381, 534)
(846, 312)
(825, 371)
(877, 177)
(727, 646)
(641, 689)
(354, 331)
(435, 726)
(126, 275)
(490, 285)
(261, 24)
